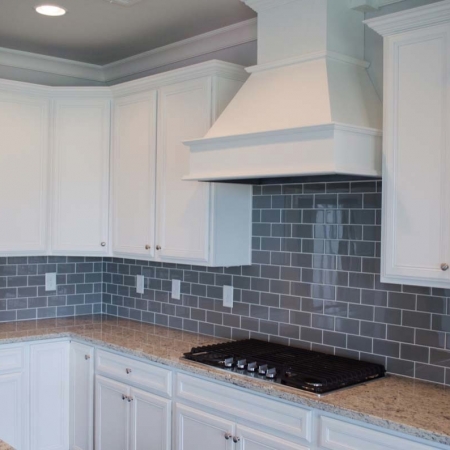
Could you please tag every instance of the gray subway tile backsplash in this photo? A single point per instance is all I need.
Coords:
(314, 283)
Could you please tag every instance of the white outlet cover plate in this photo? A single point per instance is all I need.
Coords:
(139, 284)
(228, 296)
(176, 289)
(50, 281)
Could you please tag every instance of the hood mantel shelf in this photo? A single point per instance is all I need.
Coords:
(306, 109)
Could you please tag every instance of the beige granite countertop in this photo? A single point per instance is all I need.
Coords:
(400, 404)
(5, 446)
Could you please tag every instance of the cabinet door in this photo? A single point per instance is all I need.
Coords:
(23, 174)
(13, 410)
(49, 396)
(183, 206)
(112, 414)
(150, 421)
(81, 397)
(250, 439)
(198, 430)
(134, 159)
(416, 147)
(81, 129)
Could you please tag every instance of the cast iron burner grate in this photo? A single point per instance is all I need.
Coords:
(290, 366)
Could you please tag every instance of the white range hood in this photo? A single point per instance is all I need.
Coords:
(308, 107)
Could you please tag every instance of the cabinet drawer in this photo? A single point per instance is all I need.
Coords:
(11, 359)
(337, 435)
(277, 415)
(130, 371)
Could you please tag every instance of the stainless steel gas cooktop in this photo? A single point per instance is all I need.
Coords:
(307, 370)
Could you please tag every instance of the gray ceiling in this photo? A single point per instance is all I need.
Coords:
(99, 32)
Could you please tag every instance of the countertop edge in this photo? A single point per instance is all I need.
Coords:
(286, 394)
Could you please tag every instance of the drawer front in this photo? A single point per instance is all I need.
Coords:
(11, 359)
(279, 416)
(130, 371)
(337, 435)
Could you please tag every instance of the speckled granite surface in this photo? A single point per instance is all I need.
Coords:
(413, 407)
(5, 446)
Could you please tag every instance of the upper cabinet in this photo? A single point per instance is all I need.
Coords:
(134, 169)
(416, 145)
(80, 176)
(157, 215)
(23, 172)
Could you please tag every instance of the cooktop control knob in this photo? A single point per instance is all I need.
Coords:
(262, 369)
(271, 373)
(251, 367)
(228, 362)
(241, 364)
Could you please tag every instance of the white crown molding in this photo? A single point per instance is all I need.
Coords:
(209, 68)
(370, 5)
(202, 44)
(49, 64)
(262, 5)
(334, 56)
(411, 19)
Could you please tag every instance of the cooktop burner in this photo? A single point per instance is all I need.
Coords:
(295, 367)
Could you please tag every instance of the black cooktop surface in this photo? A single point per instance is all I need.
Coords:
(290, 366)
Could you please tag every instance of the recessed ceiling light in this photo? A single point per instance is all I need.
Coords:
(50, 10)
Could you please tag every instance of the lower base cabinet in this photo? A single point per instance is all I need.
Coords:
(196, 429)
(127, 418)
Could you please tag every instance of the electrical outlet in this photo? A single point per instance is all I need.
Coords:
(176, 289)
(139, 284)
(50, 281)
(228, 296)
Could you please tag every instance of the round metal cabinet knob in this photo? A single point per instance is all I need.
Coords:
(86, 357)
(124, 397)
(103, 244)
(147, 247)
(444, 267)
(158, 247)
(236, 439)
(128, 371)
(228, 436)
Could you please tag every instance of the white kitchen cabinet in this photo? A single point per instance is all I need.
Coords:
(24, 129)
(134, 175)
(156, 214)
(250, 439)
(112, 415)
(196, 430)
(14, 410)
(130, 419)
(81, 397)
(80, 176)
(416, 146)
(49, 396)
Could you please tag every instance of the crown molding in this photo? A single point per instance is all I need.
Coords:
(262, 5)
(49, 64)
(202, 44)
(370, 5)
(411, 19)
(209, 68)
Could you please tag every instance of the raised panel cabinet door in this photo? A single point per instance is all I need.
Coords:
(49, 396)
(13, 410)
(80, 185)
(416, 185)
(24, 125)
(112, 414)
(185, 113)
(196, 430)
(250, 439)
(150, 421)
(81, 397)
(134, 178)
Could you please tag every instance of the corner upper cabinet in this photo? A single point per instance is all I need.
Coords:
(134, 175)
(416, 145)
(80, 175)
(157, 215)
(24, 122)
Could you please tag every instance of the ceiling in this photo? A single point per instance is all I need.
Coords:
(99, 32)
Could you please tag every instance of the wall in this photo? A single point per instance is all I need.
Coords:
(22, 287)
(314, 283)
